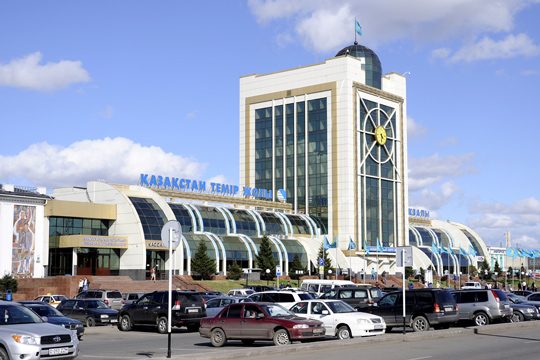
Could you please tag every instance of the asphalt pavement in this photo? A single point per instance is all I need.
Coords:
(501, 341)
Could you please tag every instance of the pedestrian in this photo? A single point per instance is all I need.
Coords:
(430, 285)
(362, 275)
(81, 284)
(85, 284)
(524, 286)
(411, 285)
(153, 273)
(438, 285)
(373, 273)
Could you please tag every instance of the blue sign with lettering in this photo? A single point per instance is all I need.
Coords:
(182, 184)
(419, 213)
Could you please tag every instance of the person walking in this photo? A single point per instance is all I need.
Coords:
(81, 284)
(373, 273)
(153, 273)
(85, 284)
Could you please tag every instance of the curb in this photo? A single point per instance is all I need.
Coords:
(409, 337)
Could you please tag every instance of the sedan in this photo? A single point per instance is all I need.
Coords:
(340, 319)
(522, 310)
(259, 321)
(53, 316)
(90, 312)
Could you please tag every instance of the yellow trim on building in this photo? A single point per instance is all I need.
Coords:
(93, 241)
(78, 209)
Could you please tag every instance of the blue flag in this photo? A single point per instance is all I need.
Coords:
(462, 252)
(444, 250)
(379, 246)
(357, 27)
(352, 244)
(366, 247)
(326, 244)
(434, 248)
(472, 252)
(510, 253)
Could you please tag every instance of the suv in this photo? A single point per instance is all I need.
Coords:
(482, 306)
(357, 296)
(284, 298)
(424, 308)
(24, 335)
(151, 309)
(111, 298)
(129, 298)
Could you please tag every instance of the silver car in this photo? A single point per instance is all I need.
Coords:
(24, 335)
(483, 306)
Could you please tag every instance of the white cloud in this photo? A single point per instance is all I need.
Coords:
(520, 218)
(487, 49)
(434, 198)
(530, 72)
(221, 179)
(112, 159)
(323, 25)
(435, 168)
(191, 115)
(414, 129)
(441, 53)
(28, 73)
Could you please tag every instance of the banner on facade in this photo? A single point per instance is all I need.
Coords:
(23, 246)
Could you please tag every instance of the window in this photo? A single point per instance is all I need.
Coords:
(482, 296)
(300, 308)
(360, 294)
(424, 298)
(346, 294)
(388, 300)
(285, 298)
(467, 297)
(213, 303)
(317, 308)
(534, 297)
(69, 304)
(251, 311)
(234, 311)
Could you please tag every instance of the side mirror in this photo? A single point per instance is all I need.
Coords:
(325, 312)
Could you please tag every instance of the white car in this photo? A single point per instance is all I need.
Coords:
(240, 292)
(471, 285)
(340, 319)
(285, 298)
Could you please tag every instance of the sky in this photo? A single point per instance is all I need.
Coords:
(106, 90)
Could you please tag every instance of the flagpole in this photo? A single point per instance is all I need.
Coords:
(355, 29)
(337, 265)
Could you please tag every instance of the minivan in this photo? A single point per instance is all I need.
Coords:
(356, 296)
(320, 286)
(483, 306)
(111, 298)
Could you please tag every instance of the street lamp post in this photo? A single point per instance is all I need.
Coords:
(329, 273)
(267, 276)
(485, 274)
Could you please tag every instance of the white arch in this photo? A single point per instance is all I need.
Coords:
(192, 216)
(248, 247)
(286, 222)
(261, 221)
(199, 218)
(231, 217)
(226, 218)
(188, 253)
(214, 237)
(285, 253)
(308, 220)
(273, 240)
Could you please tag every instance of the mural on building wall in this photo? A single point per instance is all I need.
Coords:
(24, 228)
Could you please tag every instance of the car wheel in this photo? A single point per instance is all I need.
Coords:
(125, 323)
(248, 342)
(389, 329)
(3, 354)
(420, 323)
(518, 317)
(218, 338)
(481, 319)
(344, 332)
(162, 325)
(281, 337)
(90, 322)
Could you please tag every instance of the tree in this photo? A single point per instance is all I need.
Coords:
(295, 266)
(8, 282)
(409, 272)
(497, 268)
(265, 259)
(484, 270)
(234, 271)
(324, 255)
(201, 263)
(473, 271)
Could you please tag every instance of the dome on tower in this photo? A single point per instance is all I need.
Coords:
(373, 66)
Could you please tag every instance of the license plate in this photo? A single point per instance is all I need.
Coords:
(318, 331)
(506, 306)
(193, 310)
(378, 327)
(448, 308)
(58, 351)
(114, 320)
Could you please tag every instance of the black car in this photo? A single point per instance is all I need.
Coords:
(90, 312)
(522, 310)
(424, 308)
(54, 316)
(152, 309)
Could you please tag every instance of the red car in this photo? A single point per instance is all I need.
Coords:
(259, 321)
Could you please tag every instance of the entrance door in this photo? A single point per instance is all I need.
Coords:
(92, 262)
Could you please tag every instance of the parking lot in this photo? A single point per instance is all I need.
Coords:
(107, 342)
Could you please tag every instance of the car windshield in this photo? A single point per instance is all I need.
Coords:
(47, 311)
(114, 295)
(376, 293)
(275, 310)
(13, 315)
(340, 307)
(96, 305)
(305, 296)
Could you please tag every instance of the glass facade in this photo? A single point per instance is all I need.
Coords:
(301, 157)
(263, 148)
(274, 225)
(379, 175)
(77, 226)
(278, 149)
(213, 220)
(372, 65)
(151, 216)
(183, 217)
(299, 225)
(245, 223)
(289, 152)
